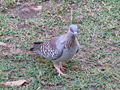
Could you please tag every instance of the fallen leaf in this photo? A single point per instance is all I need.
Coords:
(3, 44)
(13, 83)
(37, 8)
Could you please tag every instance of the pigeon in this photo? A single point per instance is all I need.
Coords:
(59, 49)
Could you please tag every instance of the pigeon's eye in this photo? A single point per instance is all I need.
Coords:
(71, 30)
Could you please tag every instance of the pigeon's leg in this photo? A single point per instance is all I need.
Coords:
(61, 66)
(57, 67)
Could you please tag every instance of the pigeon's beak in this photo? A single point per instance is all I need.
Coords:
(75, 33)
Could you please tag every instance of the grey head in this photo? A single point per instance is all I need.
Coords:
(73, 29)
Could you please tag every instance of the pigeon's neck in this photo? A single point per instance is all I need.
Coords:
(69, 40)
(69, 35)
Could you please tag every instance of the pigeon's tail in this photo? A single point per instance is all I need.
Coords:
(38, 42)
(31, 49)
(36, 46)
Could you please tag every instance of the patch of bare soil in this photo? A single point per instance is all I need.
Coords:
(26, 10)
(24, 26)
(29, 10)
(9, 49)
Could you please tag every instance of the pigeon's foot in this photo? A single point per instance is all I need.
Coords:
(61, 67)
(59, 71)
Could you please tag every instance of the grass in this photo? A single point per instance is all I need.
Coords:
(97, 64)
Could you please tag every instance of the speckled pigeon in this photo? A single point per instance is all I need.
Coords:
(59, 49)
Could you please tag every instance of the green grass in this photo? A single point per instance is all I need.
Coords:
(96, 66)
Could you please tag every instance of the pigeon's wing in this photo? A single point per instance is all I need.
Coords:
(48, 49)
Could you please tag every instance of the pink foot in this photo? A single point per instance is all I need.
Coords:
(59, 71)
(61, 67)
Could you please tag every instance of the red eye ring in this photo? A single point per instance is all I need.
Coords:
(71, 30)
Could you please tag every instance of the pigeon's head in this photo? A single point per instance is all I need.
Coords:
(73, 29)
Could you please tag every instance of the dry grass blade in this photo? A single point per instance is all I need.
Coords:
(14, 83)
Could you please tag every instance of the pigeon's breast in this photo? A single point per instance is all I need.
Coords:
(68, 54)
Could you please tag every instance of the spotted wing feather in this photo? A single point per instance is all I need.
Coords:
(48, 49)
